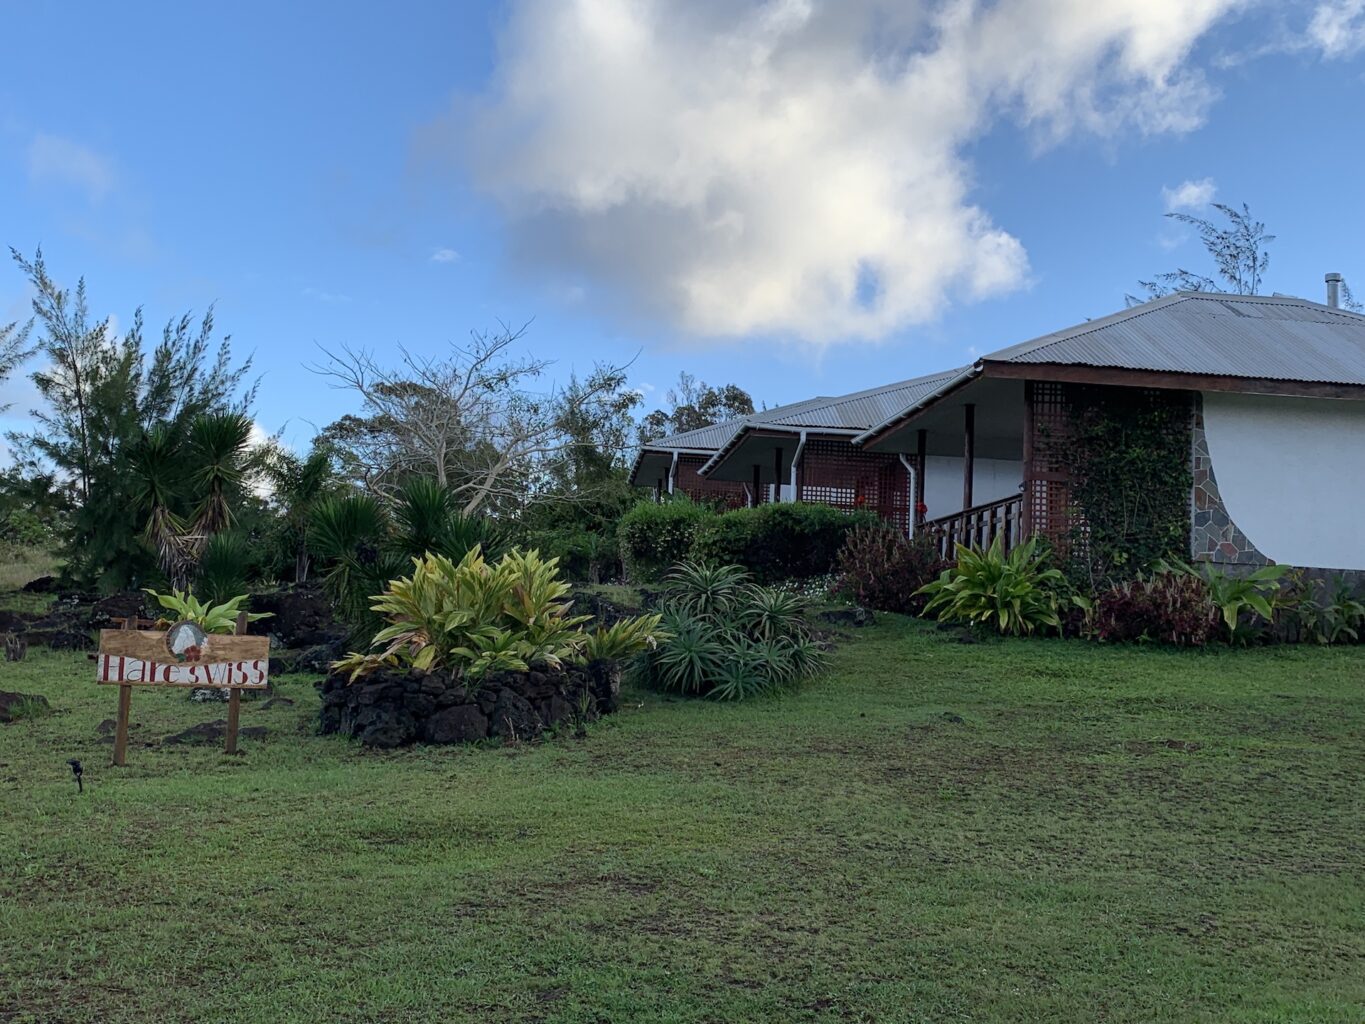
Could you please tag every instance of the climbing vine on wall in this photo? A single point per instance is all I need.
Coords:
(1131, 478)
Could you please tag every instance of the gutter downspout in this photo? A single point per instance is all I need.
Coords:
(796, 461)
(672, 472)
(913, 472)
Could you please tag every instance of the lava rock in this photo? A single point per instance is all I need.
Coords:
(856, 617)
(42, 585)
(214, 732)
(10, 703)
(301, 617)
(514, 718)
(131, 604)
(463, 723)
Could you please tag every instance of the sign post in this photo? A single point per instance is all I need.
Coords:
(183, 655)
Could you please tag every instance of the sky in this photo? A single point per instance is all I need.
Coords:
(799, 197)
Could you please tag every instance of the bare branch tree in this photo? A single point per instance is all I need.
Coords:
(1238, 252)
(470, 419)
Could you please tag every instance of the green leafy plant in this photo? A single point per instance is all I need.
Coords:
(477, 617)
(1014, 593)
(654, 537)
(1238, 598)
(726, 638)
(223, 567)
(211, 618)
(622, 639)
(773, 542)
(1337, 619)
(362, 542)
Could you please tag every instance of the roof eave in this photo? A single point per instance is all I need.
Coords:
(874, 435)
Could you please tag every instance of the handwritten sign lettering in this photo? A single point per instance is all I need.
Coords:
(142, 658)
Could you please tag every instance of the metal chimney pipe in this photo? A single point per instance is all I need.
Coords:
(1333, 290)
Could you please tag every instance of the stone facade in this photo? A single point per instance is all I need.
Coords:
(393, 708)
(1214, 537)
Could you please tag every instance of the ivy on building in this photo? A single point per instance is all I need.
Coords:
(1131, 479)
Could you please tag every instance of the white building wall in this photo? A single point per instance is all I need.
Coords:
(992, 479)
(1291, 472)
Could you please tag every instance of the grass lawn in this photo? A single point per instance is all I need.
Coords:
(1010, 831)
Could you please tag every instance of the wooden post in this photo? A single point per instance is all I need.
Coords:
(968, 454)
(125, 705)
(235, 699)
(758, 480)
(921, 464)
(777, 475)
(659, 491)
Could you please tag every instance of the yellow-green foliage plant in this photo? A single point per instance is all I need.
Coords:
(478, 617)
(211, 618)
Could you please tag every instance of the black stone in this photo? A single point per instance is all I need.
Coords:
(463, 723)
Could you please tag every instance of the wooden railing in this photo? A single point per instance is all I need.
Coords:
(978, 526)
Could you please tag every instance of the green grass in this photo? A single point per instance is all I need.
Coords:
(20, 565)
(852, 852)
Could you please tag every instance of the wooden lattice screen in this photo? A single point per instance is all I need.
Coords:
(726, 493)
(1047, 461)
(835, 473)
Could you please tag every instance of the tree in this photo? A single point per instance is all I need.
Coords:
(13, 349)
(1239, 256)
(468, 419)
(105, 400)
(299, 485)
(693, 404)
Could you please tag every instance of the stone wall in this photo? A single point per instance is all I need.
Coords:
(1214, 537)
(398, 707)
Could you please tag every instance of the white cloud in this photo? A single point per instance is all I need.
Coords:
(444, 256)
(1337, 27)
(1189, 195)
(798, 167)
(52, 158)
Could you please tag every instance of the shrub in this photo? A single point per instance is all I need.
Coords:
(1014, 593)
(653, 537)
(1166, 607)
(1240, 599)
(1336, 619)
(583, 555)
(362, 542)
(880, 568)
(211, 618)
(779, 541)
(726, 638)
(477, 617)
(223, 566)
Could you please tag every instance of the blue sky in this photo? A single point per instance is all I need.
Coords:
(797, 198)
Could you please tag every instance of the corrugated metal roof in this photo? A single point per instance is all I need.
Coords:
(859, 410)
(1254, 336)
(852, 412)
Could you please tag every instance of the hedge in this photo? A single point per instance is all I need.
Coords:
(656, 537)
(778, 542)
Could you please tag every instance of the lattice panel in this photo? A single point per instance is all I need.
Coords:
(1047, 483)
(837, 474)
(726, 493)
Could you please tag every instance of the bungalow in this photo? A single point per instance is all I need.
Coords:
(1260, 398)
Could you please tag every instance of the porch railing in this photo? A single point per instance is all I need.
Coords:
(978, 526)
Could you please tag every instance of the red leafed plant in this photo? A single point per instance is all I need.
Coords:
(881, 568)
(1166, 607)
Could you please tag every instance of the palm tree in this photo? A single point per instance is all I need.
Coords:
(300, 484)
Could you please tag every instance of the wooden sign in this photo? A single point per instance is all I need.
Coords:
(145, 658)
(183, 655)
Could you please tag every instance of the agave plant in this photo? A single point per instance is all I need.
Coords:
(702, 589)
(1014, 593)
(726, 639)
